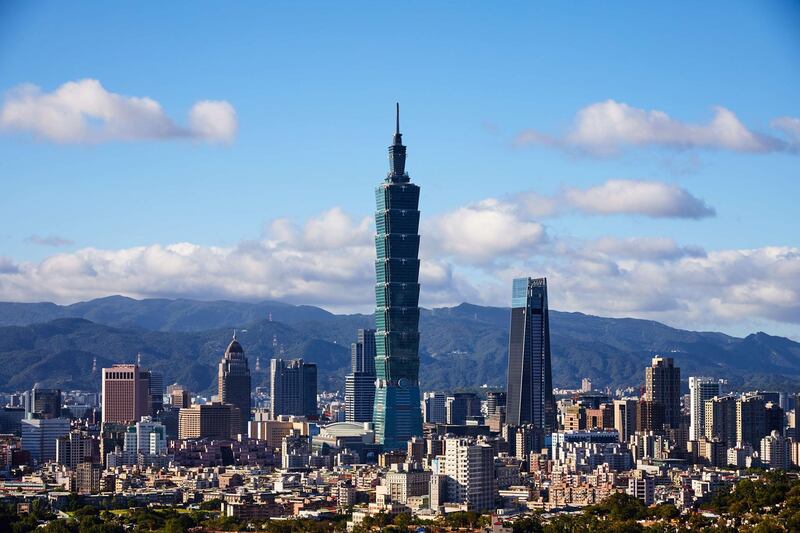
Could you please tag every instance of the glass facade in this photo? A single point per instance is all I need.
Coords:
(530, 388)
(397, 415)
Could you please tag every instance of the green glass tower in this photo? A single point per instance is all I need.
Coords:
(397, 415)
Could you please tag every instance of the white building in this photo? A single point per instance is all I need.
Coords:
(642, 487)
(39, 437)
(469, 468)
(775, 451)
(700, 390)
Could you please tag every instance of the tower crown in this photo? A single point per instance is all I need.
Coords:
(397, 154)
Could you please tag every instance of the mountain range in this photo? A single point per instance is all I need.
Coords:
(461, 347)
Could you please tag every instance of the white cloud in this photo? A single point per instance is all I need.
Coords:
(638, 197)
(48, 240)
(650, 248)
(483, 232)
(84, 111)
(329, 261)
(605, 128)
(788, 125)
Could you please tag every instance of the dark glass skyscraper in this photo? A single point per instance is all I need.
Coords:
(233, 381)
(397, 415)
(530, 384)
(359, 388)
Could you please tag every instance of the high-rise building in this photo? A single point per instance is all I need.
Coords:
(39, 436)
(751, 423)
(74, 448)
(397, 414)
(293, 388)
(461, 406)
(775, 451)
(156, 389)
(469, 468)
(494, 401)
(218, 420)
(700, 390)
(42, 403)
(180, 398)
(650, 416)
(530, 387)
(720, 419)
(126, 394)
(662, 382)
(87, 477)
(233, 380)
(359, 395)
(625, 417)
(435, 408)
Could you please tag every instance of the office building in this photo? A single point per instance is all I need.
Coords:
(462, 406)
(233, 380)
(529, 388)
(359, 395)
(650, 416)
(663, 385)
(218, 420)
(39, 436)
(126, 394)
(700, 390)
(74, 448)
(397, 414)
(469, 468)
(435, 408)
(42, 403)
(720, 419)
(495, 401)
(403, 482)
(625, 417)
(156, 388)
(293, 388)
(180, 398)
(87, 478)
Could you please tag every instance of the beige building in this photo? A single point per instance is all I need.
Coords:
(208, 420)
(273, 431)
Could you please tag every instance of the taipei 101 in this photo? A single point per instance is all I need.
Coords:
(429, 267)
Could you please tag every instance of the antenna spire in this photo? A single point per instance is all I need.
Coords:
(397, 126)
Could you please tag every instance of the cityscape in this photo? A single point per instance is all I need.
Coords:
(175, 405)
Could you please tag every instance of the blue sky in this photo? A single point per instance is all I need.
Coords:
(313, 87)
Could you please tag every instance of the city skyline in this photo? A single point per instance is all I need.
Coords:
(525, 184)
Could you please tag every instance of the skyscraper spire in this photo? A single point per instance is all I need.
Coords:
(397, 154)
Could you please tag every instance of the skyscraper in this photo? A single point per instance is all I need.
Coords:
(42, 403)
(359, 389)
(293, 388)
(156, 392)
(662, 382)
(233, 379)
(397, 415)
(126, 394)
(700, 390)
(530, 385)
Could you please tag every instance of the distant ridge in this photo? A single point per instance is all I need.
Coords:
(463, 346)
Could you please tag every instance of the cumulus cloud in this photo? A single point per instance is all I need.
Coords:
(469, 254)
(605, 128)
(483, 232)
(638, 197)
(48, 240)
(84, 111)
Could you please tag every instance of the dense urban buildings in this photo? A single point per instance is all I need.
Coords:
(701, 389)
(360, 382)
(293, 388)
(233, 380)
(529, 390)
(397, 415)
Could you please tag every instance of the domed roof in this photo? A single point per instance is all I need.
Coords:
(234, 346)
